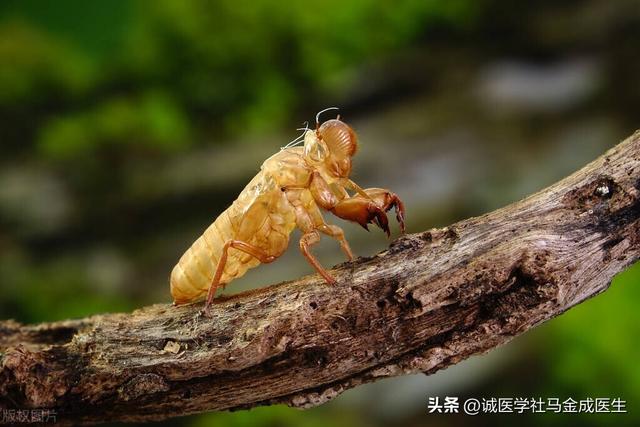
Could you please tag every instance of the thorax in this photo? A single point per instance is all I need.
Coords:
(287, 168)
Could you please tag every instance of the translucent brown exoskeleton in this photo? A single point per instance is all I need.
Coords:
(291, 190)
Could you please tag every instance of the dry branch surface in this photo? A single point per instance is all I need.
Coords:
(429, 301)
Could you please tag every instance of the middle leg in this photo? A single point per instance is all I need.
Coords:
(306, 241)
(337, 233)
(309, 220)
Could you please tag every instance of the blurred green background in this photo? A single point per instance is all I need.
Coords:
(127, 126)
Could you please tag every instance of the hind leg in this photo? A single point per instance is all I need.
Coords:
(252, 250)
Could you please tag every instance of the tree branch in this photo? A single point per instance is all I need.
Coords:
(429, 301)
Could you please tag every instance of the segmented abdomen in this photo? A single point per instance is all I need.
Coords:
(191, 277)
(265, 224)
(261, 216)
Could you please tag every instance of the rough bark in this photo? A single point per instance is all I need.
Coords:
(429, 301)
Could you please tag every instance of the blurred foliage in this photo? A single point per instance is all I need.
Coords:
(593, 347)
(59, 289)
(39, 66)
(169, 72)
(151, 122)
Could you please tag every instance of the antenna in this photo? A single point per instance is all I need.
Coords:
(322, 111)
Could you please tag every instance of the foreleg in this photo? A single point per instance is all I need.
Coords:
(324, 197)
(371, 209)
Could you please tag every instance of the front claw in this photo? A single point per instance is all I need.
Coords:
(388, 200)
(395, 203)
(363, 211)
(378, 217)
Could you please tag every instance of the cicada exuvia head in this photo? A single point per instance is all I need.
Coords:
(332, 144)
